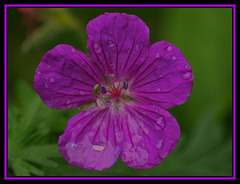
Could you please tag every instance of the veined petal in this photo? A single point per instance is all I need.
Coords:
(150, 134)
(92, 139)
(165, 79)
(118, 43)
(65, 78)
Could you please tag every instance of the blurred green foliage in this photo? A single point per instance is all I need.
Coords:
(205, 37)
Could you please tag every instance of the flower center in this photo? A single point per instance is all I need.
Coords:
(115, 93)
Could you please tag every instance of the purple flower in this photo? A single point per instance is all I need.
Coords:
(127, 84)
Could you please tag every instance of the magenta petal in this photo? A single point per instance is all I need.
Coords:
(92, 139)
(118, 43)
(65, 78)
(150, 133)
(165, 79)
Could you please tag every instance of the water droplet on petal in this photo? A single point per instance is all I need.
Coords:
(160, 123)
(187, 75)
(158, 55)
(46, 85)
(158, 89)
(159, 145)
(81, 92)
(111, 44)
(169, 48)
(137, 47)
(174, 58)
(113, 66)
(98, 148)
(106, 54)
(97, 47)
(68, 103)
(51, 79)
(186, 66)
(73, 50)
(73, 146)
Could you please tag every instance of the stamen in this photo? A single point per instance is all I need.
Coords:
(125, 85)
(95, 90)
(103, 90)
(107, 102)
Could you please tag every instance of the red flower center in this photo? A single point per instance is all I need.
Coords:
(115, 92)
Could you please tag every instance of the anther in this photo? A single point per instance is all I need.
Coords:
(103, 90)
(125, 85)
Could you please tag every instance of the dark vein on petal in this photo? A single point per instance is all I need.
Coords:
(155, 79)
(93, 71)
(97, 57)
(128, 56)
(129, 134)
(150, 140)
(135, 62)
(87, 124)
(103, 117)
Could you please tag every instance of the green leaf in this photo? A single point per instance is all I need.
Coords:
(28, 154)
(24, 92)
(19, 168)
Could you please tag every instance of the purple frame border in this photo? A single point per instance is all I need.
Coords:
(233, 6)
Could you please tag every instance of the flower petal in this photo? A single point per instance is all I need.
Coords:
(150, 133)
(92, 139)
(118, 43)
(65, 78)
(165, 79)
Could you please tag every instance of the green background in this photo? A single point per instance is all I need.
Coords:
(203, 34)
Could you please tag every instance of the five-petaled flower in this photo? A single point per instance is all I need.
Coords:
(126, 83)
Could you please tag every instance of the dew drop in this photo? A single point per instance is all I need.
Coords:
(73, 146)
(51, 79)
(186, 66)
(98, 148)
(81, 92)
(187, 75)
(106, 54)
(68, 103)
(169, 48)
(174, 58)
(113, 66)
(111, 44)
(97, 48)
(160, 123)
(46, 85)
(159, 145)
(158, 89)
(73, 50)
(137, 47)
(158, 55)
